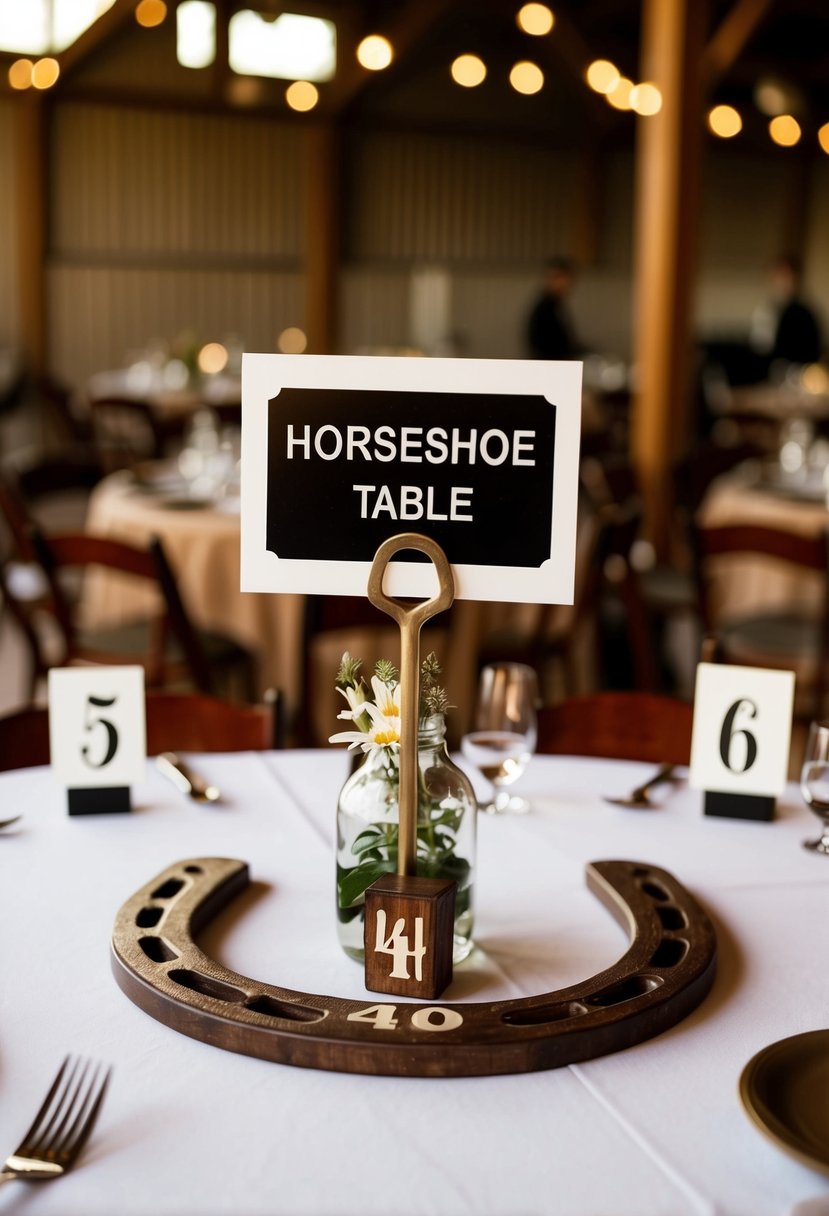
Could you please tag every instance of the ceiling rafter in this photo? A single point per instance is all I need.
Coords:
(95, 36)
(730, 38)
(406, 33)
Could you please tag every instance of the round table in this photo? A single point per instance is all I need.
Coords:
(656, 1130)
(748, 584)
(202, 546)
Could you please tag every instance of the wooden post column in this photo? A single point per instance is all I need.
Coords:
(666, 214)
(32, 219)
(322, 237)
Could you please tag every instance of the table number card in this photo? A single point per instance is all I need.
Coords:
(341, 453)
(741, 738)
(97, 735)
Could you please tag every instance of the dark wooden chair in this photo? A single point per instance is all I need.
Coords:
(603, 569)
(788, 637)
(128, 430)
(186, 722)
(167, 645)
(620, 726)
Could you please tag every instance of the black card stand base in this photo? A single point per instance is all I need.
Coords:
(103, 800)
(739, 806)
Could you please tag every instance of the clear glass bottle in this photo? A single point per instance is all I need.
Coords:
(367, 832)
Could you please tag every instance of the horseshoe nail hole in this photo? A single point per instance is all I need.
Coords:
(628, 990)
(640, 872)
(669, 952)
(168, 889)
(207, 986)
(544, 1014)
(672, 918)
(193, 870)
(655, 891)
(148, 918)
(279, 1009)
(157, 950)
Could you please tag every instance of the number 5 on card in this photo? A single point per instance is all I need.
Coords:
(741, 738)
(97, 734)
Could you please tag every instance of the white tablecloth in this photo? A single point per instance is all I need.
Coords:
(190, 1130)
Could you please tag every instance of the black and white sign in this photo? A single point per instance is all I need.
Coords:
(742, 729)
(339, 454)
(97, 731)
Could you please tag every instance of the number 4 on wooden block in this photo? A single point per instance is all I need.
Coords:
(409, 930)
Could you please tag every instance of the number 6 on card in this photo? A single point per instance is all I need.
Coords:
(97, 735)
(740, 743)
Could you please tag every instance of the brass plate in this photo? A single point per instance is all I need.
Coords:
(785, 1089)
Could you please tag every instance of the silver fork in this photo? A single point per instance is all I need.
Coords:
(62, 1125)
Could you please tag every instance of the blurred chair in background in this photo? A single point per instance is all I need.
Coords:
(619, 726)
(166, 643)
(792, 634)
(185, 722)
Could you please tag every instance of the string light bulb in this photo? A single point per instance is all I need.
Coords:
(619, 96)
(302, 95)
(292, 341)
(150, 13)
(468, 71)
(45, 73)
(823, 137)
(535, 19)
(375, 53)
(785, 130)
(602, 76)
(645, 99)
(724, 121)
(20, 74)
(526, 77)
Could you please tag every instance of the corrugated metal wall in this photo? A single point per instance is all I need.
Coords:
(164, 222)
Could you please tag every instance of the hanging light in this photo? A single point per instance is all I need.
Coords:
(602, 75)
(468, 71)
(785, 130)
(724, 121)
(20, 74)
(302, 95)
(645, 99)
(375, 53)
(45, 73)
(619, 96)
(150, 13)
(526, 77)
(535, 19)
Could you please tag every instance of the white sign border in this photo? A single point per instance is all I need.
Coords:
(559, 382)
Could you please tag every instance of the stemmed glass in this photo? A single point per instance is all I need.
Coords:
(814, 782)
(505, 731)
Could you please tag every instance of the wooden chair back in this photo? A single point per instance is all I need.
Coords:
(81, 552)
(619, 726)
(128, 430)
(187, 722)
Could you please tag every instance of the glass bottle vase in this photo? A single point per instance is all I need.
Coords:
(367, 833)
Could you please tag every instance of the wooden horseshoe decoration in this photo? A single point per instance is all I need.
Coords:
(667, 970)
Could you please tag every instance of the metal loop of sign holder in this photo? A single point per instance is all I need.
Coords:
(667, 970)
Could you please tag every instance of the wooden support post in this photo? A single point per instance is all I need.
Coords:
(666, 213)
(31, 156)
(797, 204)
(322, 237)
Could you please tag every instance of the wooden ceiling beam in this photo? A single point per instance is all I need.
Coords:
(406, 33)
(97, 34)
(730, 38)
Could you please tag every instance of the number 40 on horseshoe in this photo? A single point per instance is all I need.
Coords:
(741, 739)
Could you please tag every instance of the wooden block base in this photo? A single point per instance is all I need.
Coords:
(103, 800)
(739, 806)
(409, 935)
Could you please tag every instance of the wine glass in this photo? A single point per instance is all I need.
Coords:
(505, 731)
(814, 782)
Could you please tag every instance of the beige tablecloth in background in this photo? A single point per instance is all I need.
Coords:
(202, 546)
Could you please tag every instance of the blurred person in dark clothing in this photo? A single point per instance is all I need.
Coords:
(788, 328)
(550, 332)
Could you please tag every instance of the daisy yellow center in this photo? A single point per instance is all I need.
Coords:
(386, 736)
(389, 710)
